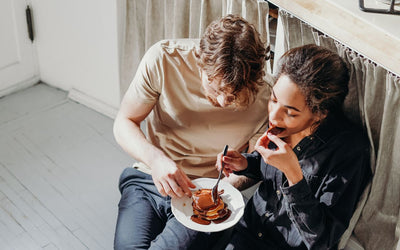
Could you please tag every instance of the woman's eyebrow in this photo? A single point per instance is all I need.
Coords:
(286, 106)
(290, 107)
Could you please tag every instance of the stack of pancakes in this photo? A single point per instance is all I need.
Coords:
(205, 210)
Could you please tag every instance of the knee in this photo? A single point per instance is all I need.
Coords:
(124, 237)
(123, 243)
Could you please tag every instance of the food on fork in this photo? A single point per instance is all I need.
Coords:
(205, 210)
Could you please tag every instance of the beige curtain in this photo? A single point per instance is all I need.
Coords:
(148, 21)
(374, 102)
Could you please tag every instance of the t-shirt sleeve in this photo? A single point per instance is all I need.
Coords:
(258, 134)
(147, 83)
(264, 92)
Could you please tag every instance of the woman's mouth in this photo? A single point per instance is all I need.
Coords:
(275, 130)
(265, 141)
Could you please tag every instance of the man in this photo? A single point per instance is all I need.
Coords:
(195, 97)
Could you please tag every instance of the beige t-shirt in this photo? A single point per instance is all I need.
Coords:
(183, 123)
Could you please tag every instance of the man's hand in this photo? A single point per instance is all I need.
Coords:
(283, 158)
(170, 179)
(234, 161)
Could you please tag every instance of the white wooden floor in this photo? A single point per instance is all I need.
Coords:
(59, 169)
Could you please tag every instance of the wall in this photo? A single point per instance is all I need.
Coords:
(78, 49)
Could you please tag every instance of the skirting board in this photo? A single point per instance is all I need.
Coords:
(93, 103)
(18, 86)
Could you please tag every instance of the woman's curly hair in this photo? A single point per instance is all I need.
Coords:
(231, 48)
(321, 75)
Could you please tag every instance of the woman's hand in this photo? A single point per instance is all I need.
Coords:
(234, 161)
(283, 158)
(170, 179)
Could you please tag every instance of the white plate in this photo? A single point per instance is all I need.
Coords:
(182, 207)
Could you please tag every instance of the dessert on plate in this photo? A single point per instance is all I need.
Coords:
(205, 210)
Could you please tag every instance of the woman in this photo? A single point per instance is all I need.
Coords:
(314, 164)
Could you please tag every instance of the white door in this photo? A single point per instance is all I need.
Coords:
(18, 61)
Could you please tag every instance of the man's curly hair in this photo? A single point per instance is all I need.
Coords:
(231, 48)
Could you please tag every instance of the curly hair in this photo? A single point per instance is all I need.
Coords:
(321, 75)
(231, 48)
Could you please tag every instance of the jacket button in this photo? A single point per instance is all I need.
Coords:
(268, 214)
(278, 192)
(259, 235)
(298, 148)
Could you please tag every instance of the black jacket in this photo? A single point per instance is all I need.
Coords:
(314, 213)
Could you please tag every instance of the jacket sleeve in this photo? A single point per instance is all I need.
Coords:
(253, 166)
(322, 216)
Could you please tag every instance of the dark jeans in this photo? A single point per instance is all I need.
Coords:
(145, 219)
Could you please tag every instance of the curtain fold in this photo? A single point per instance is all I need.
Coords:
(374, 103)
(148, 21)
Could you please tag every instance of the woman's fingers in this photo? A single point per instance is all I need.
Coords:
(221, 158)
(264, 151)
(275, 139)
(227, 172)
(263, 141)
(233, 160)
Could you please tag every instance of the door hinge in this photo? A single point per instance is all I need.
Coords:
(29, 22)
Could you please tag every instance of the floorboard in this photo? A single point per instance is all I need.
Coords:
(59, 169)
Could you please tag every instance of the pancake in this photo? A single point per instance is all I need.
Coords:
(205, 210)
(265, 141)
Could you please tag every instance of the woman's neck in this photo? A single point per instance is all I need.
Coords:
(294, 139)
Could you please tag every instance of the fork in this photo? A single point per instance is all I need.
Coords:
(214, 192)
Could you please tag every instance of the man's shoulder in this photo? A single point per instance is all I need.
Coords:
(170, 45)
(156, 54)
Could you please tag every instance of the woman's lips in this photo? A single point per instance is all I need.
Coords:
(275, 130)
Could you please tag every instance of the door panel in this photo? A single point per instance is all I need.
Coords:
(18, 63)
